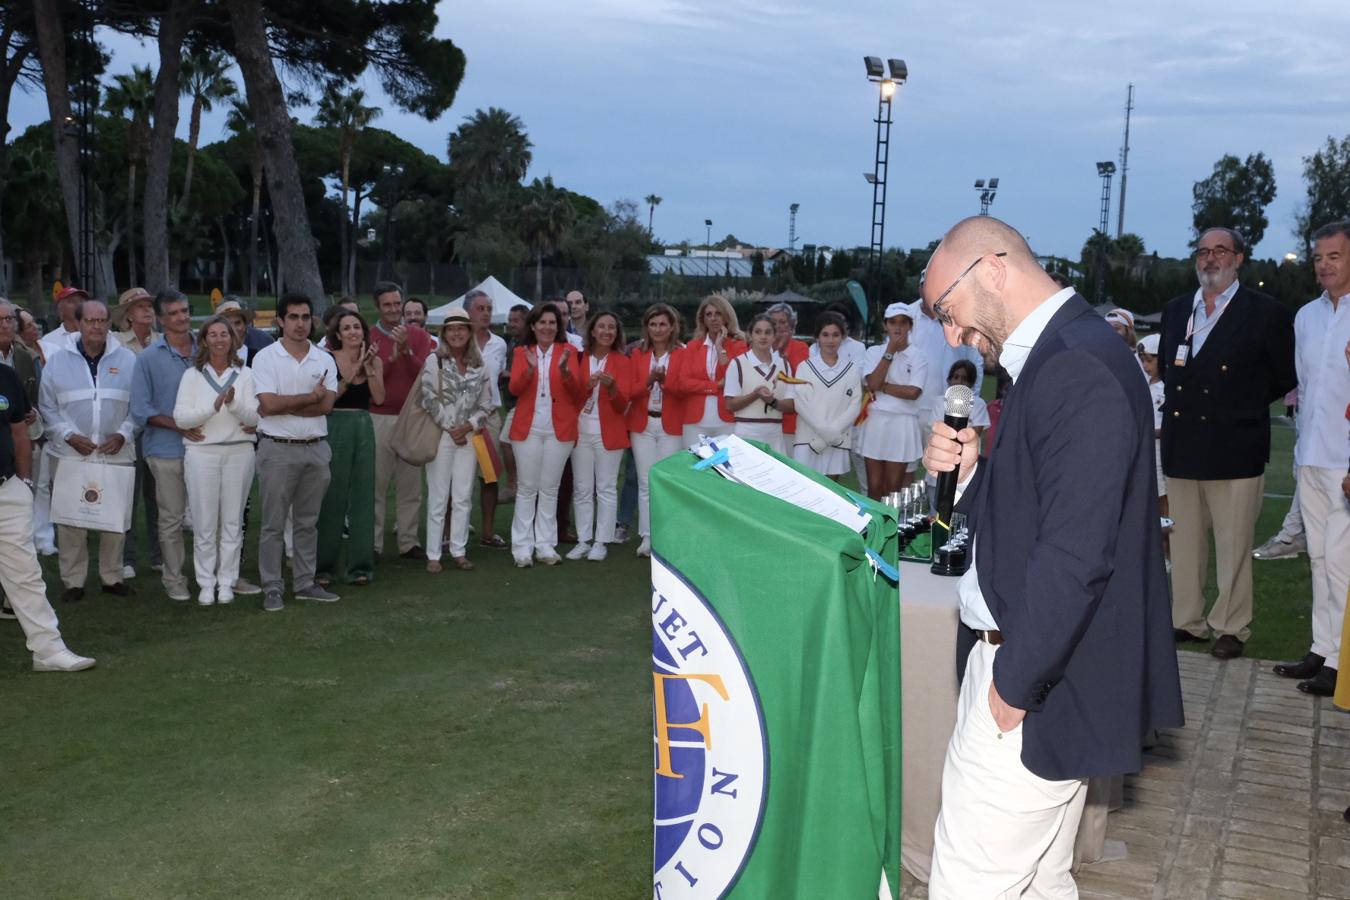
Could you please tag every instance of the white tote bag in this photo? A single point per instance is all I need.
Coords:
(93, 495)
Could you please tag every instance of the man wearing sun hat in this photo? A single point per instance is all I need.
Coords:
(134, 319)
(64, 337)
(240, 317)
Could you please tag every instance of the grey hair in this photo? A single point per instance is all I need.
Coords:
(474, 295)
(1239, 242)
(1331, 229)
(783, 308)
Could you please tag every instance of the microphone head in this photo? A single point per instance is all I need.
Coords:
(960, 400)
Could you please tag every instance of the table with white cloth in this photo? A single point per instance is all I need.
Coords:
(929, 616)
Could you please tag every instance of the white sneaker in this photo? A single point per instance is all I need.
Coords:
(128, 572)
(207, 597)
(620, 534)
(244, 588)
(225, 597)
(62, 661)
(179, 594)
(645, 548)
(1282, 547)
(579, 551)
(523, 562)
(549, 559)
(598, 552)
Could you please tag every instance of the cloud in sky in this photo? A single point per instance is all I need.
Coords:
(733, 110)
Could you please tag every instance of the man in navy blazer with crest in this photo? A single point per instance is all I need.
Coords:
(1066, 638)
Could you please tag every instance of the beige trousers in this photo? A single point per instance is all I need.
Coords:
(171, 498)
(407, 487)
(20, 574)
(1228, 508)
(72, 546)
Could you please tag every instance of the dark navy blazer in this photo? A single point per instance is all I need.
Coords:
(1069, 550)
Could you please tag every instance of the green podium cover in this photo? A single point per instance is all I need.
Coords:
(776, 694)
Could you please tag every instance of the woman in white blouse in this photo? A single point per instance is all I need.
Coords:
(216, 403)
(653, 423)
(455, 389)
(891, 437)
(826, 400)
(752, 389)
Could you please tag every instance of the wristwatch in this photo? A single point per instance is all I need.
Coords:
(888, 356)
(29, 482)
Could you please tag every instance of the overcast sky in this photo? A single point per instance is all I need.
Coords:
(733, 110)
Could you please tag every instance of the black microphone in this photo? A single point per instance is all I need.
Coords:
(959, 401)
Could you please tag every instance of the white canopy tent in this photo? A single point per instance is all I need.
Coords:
(502, 301)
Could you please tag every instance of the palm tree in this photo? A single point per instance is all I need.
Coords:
(652, 202)
(203, 79)
(239, 120)
(489, 148)
(347, 113)
(134, 96)
(544, 219)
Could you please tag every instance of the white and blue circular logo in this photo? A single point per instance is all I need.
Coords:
(709, 746)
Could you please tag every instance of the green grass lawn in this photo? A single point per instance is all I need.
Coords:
(481, 734)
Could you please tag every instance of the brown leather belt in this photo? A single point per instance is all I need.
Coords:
(993, 638)
(654, 413)
(282, 440)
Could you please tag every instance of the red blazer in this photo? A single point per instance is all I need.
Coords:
(687, 379)
(639, 395)
(613, 406)
(568, 393)
(795, 353)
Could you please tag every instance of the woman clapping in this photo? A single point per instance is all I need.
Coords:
(653, 422)
(753, 391)
(217, 402)
(602, 436)
(698, 372)
(546, 379)
(455, 389)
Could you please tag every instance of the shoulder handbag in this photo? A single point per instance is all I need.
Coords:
(416, 435)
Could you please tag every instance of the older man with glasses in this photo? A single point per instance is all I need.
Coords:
(1226, 354)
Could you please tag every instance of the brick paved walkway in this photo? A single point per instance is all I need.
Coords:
(1244, 802)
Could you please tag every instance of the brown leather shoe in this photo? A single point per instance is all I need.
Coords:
(72, 595)
(1307, 667)
(1182, 636)
(1226, 647)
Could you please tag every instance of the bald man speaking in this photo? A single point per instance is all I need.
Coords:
(1066, 649)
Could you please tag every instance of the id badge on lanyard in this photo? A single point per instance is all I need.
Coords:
(1183, 353)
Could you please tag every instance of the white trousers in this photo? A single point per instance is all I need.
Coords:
(650, 447)
(770, 433)
(711, 424)
(1003, 831)
(450, 475)
(44, 530)
(1326, 521)
(214, 474)
(1292, 526)
(595, 489)
(540, 460)
(20, 574)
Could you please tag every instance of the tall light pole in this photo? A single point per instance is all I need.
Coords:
(987, 193)
(707, 250)
(1125, 161)
(898, 75)
(1105, 170)
(792, 227)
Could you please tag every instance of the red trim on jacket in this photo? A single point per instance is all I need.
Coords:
(639, 395)
(568, 394)
(795, 353)
(687, 379)
(613, 406)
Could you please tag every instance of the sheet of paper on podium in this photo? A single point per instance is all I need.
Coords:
(752, 467)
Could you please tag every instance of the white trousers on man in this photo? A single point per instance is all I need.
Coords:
(1003, 831)
(540, 460)
(595, 489)
(650, 447)
(20, 574)
(450, 475)
(214, 473)
(1326, 521)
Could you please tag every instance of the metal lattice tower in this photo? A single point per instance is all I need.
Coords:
(1125, 162)
(1105, 170)
(792, 227)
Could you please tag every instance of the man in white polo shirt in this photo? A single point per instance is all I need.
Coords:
(296, 385)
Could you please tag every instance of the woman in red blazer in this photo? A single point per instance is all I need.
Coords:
(602, 436)
(697, 371)
(654, 424)
(546, 379)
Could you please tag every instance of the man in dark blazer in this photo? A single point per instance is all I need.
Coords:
(1065, 642)
(1226, 354)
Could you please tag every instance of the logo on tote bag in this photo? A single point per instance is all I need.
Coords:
(711, 753)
